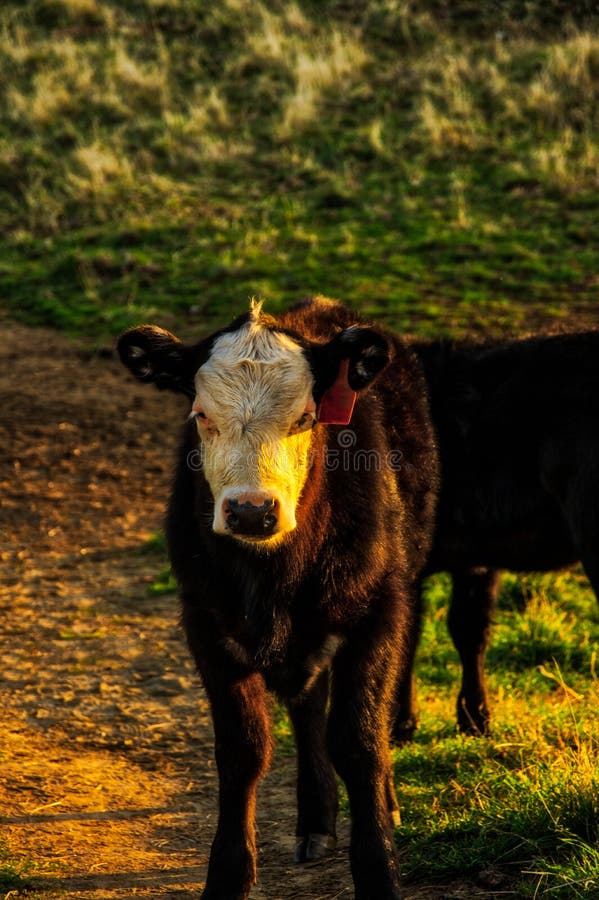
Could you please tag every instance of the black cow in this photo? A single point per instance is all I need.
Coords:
(298, 545)
(518, 432)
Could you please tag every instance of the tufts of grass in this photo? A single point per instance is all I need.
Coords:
(155, 548)
(338, 62)
(576, 875)
(468, 807)
(546, 621)
(13, 879)
(164, 583)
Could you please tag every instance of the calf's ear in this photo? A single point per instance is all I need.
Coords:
(155, 355)
(368, 352)
(347, 364)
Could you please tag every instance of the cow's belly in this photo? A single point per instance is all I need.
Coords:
(541, 541)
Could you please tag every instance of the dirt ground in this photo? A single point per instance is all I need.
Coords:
(108, 785)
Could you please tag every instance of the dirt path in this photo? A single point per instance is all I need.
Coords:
(108, 785)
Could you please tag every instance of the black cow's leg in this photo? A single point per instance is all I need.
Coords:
(316, 782)
(589, 557)
(405, 710)
(472, 603)
(242, 749)
(364, 677)
(582, 515)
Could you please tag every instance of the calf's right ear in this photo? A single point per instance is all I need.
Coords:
(155, 355)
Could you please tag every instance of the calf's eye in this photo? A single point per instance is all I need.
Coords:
(205, 424)
(306, 420)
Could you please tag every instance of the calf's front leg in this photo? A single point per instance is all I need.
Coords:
(364, 676)
(242, 750)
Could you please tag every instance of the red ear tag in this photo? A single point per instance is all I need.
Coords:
(337, 404)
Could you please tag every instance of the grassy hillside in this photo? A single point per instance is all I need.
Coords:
(434, 163)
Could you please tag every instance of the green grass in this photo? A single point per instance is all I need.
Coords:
(524, 802)
(12, 880)
(164, 583)
(432, 163)
(155, 548)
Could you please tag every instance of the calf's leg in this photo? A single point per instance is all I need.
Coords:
(242, 750)
(472, 603)
(364, 676)
(316, 782)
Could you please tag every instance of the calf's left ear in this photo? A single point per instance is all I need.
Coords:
(155, 355)
(368, 352)
(347, 364)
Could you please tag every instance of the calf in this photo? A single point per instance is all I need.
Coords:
(297, 546)
(518, 431)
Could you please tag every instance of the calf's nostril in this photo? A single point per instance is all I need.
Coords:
(251, 515)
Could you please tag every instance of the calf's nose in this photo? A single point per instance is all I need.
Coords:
(251, 514)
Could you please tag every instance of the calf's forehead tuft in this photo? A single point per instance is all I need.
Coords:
(255, 340)
(255, 358)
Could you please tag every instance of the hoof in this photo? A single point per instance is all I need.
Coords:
(477, 725)
(470, 729)
(474, 717)
(314, 846)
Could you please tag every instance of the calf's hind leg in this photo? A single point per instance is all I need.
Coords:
(472, 603)
(316, 782)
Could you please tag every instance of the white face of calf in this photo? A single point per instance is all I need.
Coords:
(252, 388)
(254, 410)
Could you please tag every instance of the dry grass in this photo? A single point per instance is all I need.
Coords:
(271, 119)
(309, 68)
(337, 64)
